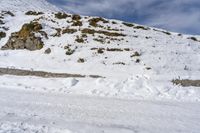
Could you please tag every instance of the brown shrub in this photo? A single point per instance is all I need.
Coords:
(47, 51)
(114, 49)
(94, 21)
(69, 31)
(34, 13)
(2, 35)
(58, 32)
(79, 39)
(77, 23)
(106, 33)
(142, 27)
(76, 17)
(1, 22)
(136, 54)
(61, 15)
(128, 24)
(193, 38)
(119, 63)
(81, 60)
(186, 82)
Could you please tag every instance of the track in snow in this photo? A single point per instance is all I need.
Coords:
(27, 111)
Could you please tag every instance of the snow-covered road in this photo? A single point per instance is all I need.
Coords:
(28, 111)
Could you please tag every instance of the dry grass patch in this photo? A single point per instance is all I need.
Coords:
(128, 24)
(94, 22)
(186, 82)
(2, 35)
(61, 15)
(106, 33)
(69, 31)
(34, 13)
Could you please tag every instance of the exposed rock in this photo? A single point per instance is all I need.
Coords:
(77, 23)
(81, 60)
(106, 33)
(94, 21)
(128, 24)
(25, 38)
(76, 17)
(69, 31)
(2, 35)
(1, 22)
(186, 82)
(34, 13)
(61, 15)
(79, 39)
(47, 51)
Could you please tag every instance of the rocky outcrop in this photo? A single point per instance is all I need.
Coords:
(2, 35)
(25, 38)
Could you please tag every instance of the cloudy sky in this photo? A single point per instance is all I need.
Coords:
(174, 15)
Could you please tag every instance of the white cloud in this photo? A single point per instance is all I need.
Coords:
(175, 15)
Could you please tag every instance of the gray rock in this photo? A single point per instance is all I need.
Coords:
(25, 38)
(30, 43)
(47, 51)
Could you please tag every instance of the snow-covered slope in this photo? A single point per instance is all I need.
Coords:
(57, 71)
(24, 5)
(136, 61)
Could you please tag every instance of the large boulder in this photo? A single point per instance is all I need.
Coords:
(25, 38)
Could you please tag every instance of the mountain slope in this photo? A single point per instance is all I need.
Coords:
(53, 65)
(136, 61)
(25, 5)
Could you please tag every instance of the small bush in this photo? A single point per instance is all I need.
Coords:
(94, 21)
(77, 23)
(58, 32)
(127, 49)
(193, 38)
(114, 49)
(34, 13)
(137, 61)
(29, 28)
(186, 82)
(79, 39)
(99, 40)
(69, 31)
(166, 32)
(81, 60)
(76, 17)
(141, 27)
(148, 68)
(113, 22)
(69, 51)
(128, 24)
(106, 33)
(1, 22)
(100, 50)
(61, 15)
(47, 51)
(119, 63)
(9, 13)
(136, 54)
(2, 35)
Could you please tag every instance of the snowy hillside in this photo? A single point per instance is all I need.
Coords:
(136, 61)
(62, 72)
(25, 5)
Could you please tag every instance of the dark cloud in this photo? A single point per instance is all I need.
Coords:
(175, 15)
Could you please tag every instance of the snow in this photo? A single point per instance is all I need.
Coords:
(26, 5)
(167, 56)
(61, 113)
(136, 97)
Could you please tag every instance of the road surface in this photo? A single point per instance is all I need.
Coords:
(29, 111)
